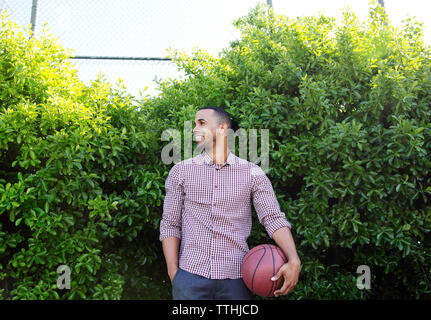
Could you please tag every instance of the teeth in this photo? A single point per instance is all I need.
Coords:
(198, 138)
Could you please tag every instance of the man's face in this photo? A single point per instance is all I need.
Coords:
(206, 125)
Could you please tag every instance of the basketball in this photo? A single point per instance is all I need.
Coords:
(259, 265)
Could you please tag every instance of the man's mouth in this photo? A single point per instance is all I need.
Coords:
(199, 138)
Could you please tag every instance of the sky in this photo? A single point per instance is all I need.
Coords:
(147, 28)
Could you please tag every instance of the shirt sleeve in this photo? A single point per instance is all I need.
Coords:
(266, 204)
(170, 225)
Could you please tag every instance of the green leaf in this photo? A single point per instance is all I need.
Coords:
(89, 267)
(406, 227)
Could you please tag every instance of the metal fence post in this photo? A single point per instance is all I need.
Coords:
(33, 20)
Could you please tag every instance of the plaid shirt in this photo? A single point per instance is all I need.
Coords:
(208, 207)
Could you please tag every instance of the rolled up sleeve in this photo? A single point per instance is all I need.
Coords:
(170, 225)
(266, 203)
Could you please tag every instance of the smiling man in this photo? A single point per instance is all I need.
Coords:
(207, 217)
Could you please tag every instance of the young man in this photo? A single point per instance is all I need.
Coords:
(207, 217)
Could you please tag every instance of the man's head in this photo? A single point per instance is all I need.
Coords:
(220, 114)
(210, 123)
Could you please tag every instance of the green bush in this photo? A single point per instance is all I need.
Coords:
(348, 108)
(80, 183)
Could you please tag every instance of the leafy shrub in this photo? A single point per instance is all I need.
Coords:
(80, 184)
(347, 106)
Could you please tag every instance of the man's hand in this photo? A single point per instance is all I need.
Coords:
(290, 273)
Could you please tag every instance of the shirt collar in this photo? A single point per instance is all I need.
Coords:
(208, 160)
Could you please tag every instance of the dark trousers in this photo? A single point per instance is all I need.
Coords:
(189, 286)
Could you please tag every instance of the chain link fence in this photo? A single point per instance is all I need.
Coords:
(128, 39)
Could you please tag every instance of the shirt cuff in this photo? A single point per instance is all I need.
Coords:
(170, 233)
(277, 224)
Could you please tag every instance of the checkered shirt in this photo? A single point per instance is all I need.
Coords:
(208, 207)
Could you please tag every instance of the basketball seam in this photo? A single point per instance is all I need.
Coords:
(255, 269)
(252, 254)
(249, 255)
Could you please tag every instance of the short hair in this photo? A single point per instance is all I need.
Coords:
(221, 113)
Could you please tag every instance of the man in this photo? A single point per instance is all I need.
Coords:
(207, 217)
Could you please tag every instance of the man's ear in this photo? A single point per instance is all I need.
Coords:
(222, 129)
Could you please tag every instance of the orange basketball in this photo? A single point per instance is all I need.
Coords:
(259, 265)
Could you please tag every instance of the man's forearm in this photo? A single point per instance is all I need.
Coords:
(283, 238)
(290, 270)
(170, 247)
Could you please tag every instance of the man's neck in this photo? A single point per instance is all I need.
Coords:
(218, 155)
